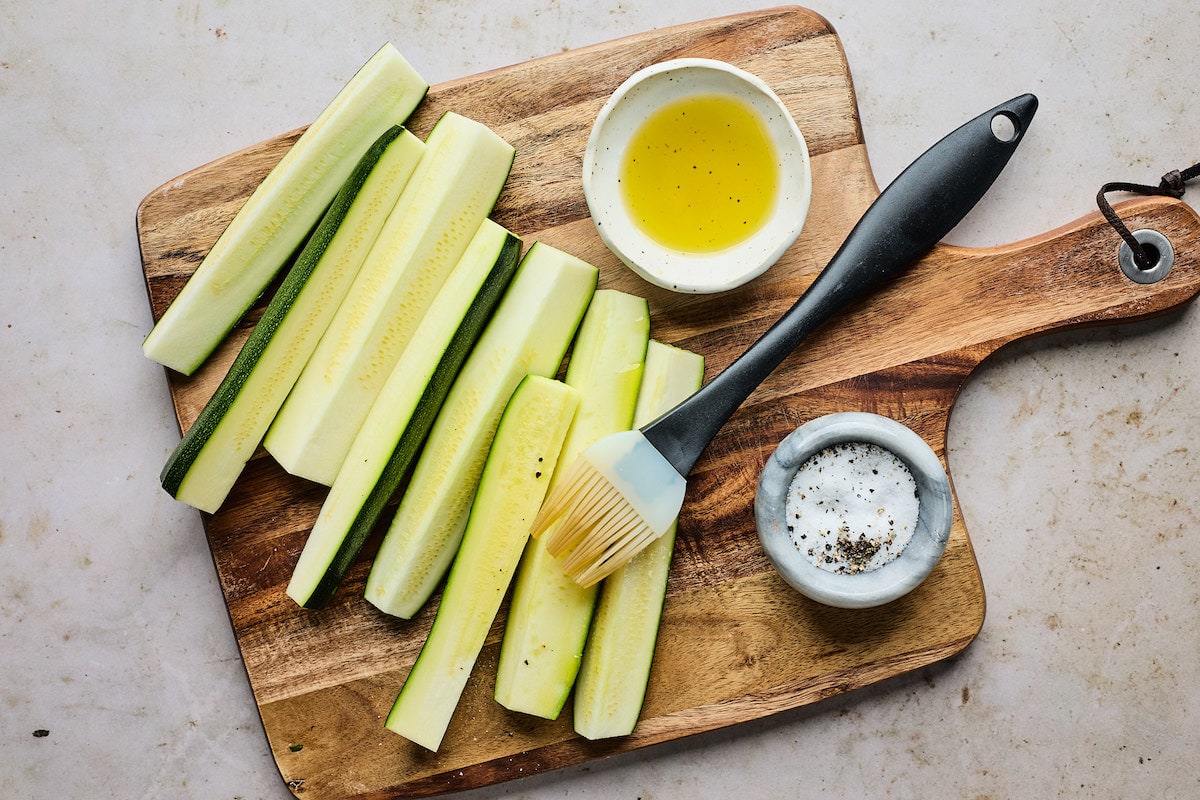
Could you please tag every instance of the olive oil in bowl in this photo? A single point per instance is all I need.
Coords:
(696, 175)
(701, 173)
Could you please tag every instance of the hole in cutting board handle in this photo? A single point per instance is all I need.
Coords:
(1158, 249)
(1005, 127)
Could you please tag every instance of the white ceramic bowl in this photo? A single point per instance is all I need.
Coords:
(643, 93)
(895, 578)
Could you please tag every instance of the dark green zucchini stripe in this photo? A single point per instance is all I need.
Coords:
(426, 411)
(185, 454)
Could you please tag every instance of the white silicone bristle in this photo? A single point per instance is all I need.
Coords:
(618, 496)
(563, 496)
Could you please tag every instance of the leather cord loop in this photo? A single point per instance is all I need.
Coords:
(1171, 185)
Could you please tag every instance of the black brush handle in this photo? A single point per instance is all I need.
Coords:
(912, 214)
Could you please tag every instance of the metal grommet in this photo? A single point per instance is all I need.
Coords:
(1161, 247)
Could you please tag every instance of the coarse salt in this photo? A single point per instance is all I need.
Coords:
(852, 507)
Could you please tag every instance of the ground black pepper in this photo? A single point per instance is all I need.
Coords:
(860, 503)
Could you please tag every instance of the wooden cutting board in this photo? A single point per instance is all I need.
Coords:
(736, 643)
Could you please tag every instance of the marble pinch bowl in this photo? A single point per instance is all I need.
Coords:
(895, 578)
(639, 96)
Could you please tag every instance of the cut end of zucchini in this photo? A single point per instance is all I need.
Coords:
(272, 224)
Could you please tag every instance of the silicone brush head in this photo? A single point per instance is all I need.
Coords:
(616, 498)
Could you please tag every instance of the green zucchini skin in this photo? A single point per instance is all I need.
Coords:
(189, 447)
(283, 210)
(422, 420)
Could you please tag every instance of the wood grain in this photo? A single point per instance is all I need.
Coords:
(736, 643)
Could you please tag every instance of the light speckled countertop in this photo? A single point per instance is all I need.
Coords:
(1074, 457)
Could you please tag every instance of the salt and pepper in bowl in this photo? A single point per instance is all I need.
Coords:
(854, 509)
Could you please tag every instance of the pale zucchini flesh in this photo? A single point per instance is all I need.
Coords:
(514, 480)
(452, 191)
(550, 613)
(283, 210)
(529, 334)
(403, 413)
(214, 451)
(611, 686)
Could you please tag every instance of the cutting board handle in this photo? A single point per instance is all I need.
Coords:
(1071, 276)
(972, 301)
